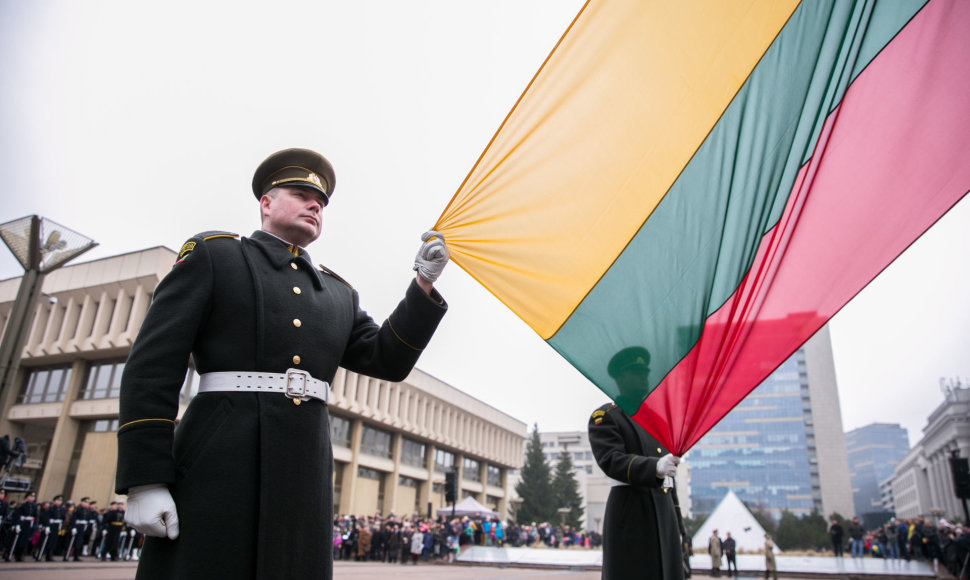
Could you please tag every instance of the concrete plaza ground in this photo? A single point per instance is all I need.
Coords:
(515, 563)
(349, 570)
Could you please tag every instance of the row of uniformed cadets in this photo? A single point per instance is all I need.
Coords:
(55, 529)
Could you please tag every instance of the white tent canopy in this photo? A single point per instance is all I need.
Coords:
(468, 507)
(731, 515)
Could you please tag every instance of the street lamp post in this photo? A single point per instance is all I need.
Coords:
(41, 246)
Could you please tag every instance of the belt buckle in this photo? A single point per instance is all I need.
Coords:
(296, 382)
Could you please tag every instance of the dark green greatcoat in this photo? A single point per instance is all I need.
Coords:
(642, 526)
(250, 473)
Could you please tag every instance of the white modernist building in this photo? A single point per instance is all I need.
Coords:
(922, 484)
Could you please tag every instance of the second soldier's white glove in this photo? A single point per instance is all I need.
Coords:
(151, 511)
(667, 466)
(432, 256)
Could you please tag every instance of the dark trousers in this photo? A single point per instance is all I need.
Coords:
(732, 562)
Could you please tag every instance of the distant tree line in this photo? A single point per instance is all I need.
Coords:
(790, 532)
(544, 492)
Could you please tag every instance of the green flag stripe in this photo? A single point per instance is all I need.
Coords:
(692, 253)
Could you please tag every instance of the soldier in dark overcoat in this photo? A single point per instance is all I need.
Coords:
(267, 331)
(114, 525)
(24, 520)
(642, 526)
(56, 514)
(83, 519)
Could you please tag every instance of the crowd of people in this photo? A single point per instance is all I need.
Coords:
(65, 530)
(70, 531)
(416, 539)
(910, 539)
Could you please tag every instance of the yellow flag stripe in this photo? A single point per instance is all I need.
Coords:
(599, 136)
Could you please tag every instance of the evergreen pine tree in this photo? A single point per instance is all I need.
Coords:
(535, 488)
(567, 491)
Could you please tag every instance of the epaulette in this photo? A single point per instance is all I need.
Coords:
(334, 274)
(601, 412)
(189, 246)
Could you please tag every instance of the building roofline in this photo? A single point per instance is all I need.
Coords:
(103, 258)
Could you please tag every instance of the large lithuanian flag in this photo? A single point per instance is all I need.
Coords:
(714, 180)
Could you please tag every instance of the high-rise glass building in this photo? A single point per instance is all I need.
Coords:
(874, 451)
(782, 447)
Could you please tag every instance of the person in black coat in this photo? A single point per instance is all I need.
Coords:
(643, 527)
(23, 520)
(730, 554)
(114, 524)
(267, 332)
(836, 532)
(83, 520)
(54, 522)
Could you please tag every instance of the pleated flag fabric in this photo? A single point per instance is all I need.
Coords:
(713, 181)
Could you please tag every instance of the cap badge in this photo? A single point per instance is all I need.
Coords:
(314, 178)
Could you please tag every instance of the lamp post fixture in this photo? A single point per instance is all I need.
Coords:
(41, 246)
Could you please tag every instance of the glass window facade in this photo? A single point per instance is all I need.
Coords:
(375, 442)
(105, 426)
(494, 476)
(873, 452)
(760, 450)
(443, 460)
(46, 385)
(413, 452)
(471, 470)
(340, 431)
(104, 380)
(368, 473)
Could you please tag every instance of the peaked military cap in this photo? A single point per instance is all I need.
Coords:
(634, 356)
(294, 168)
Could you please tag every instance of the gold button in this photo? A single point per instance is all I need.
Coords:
(659, 450)
(293, 265)
(296, 359)
(296, 322)
(297, 402)
(296, 290)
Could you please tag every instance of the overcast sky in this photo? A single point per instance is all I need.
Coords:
(139, 124)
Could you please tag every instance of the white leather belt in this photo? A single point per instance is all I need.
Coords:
(296, 384)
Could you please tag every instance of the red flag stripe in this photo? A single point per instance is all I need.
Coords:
(891, 160)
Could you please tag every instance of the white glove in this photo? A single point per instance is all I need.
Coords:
(667, 466)
(432, 256)
(151, 511)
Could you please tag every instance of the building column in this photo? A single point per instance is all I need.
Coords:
(62, 444)
(8, 398)
(483, 478)
(460, 477)
(937, 500)
(348, 487)
(426, 489)
(392, 485)
(503, 502)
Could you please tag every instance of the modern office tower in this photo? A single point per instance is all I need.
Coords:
(874, 451)
(782, 448)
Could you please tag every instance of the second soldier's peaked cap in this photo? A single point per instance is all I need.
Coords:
(295, 168)
(634, 356)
